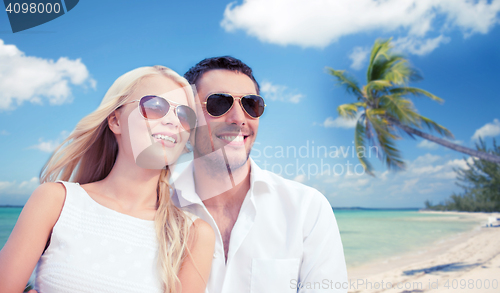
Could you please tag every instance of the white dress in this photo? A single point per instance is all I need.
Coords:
(96, 249)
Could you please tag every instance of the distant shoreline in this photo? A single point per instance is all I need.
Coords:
(10, 206)
(373, 209)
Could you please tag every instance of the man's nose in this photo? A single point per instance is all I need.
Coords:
(236, 115)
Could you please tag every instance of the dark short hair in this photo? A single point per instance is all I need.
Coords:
(194, 74)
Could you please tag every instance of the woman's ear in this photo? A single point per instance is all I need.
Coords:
(114, 122)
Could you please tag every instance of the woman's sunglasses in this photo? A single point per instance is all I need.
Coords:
(155, 107)
(220, 103)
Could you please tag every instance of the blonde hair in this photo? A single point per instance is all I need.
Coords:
(90, 151)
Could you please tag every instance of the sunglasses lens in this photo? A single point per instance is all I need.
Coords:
(153, 107)
(219, 104)
(187, 117)
(253, 105)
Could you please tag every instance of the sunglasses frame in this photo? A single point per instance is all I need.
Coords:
(232, 105)
(172, 104)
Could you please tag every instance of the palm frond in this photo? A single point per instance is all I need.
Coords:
(348, 82)
(384, 65)
(416, 92)
(386, 140)
(350, 111)
(359, 142)
(378, 85)
(400, 109)
(368, 130)
(380, 49)
(392, 156)
(379, 124)
(375, 113)
(434, 126)
(397, 70)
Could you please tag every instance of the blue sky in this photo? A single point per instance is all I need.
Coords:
(53, 75)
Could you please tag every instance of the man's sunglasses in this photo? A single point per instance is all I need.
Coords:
(155, 107)
(220, 103)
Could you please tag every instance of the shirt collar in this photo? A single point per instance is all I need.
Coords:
(257, 175)
(185, 189)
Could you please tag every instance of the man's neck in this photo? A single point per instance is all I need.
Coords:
(224, 191)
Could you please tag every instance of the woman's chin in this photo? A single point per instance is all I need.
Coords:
(156, 156)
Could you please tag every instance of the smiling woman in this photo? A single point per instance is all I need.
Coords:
(119, 229)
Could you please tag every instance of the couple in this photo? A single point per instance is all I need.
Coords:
(224, 225)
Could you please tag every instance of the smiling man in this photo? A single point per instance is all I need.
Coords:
(272, 234)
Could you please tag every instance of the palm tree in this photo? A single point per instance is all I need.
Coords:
(384, 111)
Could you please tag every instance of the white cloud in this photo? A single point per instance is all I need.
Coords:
(275, 92)
(33, 79)
(409, 185)
(427, 144)
(460, 163)
(426, 177)
(424, 167)
(350, 182)
(438, 171)
(419, 46)
(341, 122)
(318, 23)
(300, 178)
(489, 129)
(23, 188)
(48, 146)
(425, 160)
(358, 57)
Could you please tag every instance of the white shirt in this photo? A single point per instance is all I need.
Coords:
(285, 238)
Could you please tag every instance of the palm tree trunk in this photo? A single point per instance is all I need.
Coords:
(445, 143)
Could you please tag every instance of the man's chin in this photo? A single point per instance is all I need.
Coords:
(236, 162)
(220, 160)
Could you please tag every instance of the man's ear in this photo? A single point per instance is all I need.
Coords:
(114, 122)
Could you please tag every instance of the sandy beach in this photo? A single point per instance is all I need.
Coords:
(467, 262)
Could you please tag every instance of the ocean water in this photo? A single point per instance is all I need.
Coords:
(8, 218)
(371, 235)
(367, 235)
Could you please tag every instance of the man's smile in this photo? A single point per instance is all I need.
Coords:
(234, 139)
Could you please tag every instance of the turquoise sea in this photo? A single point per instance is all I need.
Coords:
(8, 218)
(371, 235)
(367, 235)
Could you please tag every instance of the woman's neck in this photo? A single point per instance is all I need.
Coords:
(131, 185)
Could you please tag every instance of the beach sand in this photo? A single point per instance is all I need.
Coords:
(467, 262)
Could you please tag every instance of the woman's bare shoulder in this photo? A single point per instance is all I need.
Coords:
(49, 197)
(52, 191)
(202, 231)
